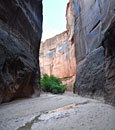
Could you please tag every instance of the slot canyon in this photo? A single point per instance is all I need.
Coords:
(82, 56)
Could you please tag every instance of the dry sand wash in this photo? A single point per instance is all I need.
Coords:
(57, 112)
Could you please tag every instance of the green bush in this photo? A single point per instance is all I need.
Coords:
(74, 91)
(52, 84)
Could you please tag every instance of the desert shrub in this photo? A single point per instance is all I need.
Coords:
(45, 83)
(56, 80)
(52, 84)
(58, 88)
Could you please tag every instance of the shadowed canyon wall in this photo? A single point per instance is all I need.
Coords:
(20, 37)
(109, 45)
(94, 28)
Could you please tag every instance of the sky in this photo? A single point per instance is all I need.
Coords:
(54, 20)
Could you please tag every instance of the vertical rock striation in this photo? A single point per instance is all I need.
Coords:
(57, 55)
(20, 36)
(53, 56)
(93, 23)
(57, 58)
(109, 45)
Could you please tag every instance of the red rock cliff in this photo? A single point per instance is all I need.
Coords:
(57, 57)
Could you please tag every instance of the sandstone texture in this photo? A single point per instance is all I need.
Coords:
(57, 57)
(90, 77)
(69, 82)
(20, 36)
(94, 28)
(109, 45)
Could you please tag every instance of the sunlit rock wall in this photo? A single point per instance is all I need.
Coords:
(20, 37)
(57, 57)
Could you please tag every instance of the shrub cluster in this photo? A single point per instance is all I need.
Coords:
(52, 84)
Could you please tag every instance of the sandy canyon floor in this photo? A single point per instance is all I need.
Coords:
(57, 112)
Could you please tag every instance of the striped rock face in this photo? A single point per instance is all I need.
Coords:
(20, 37)
(93, 30)
(57, 58)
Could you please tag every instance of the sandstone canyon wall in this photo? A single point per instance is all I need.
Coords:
(57, 55)
(109, 45)
(57, 58)
(20, 36)
(94, 39)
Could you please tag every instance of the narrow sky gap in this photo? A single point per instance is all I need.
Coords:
(54, 20)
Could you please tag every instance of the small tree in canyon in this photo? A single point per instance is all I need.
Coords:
(52, 84)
